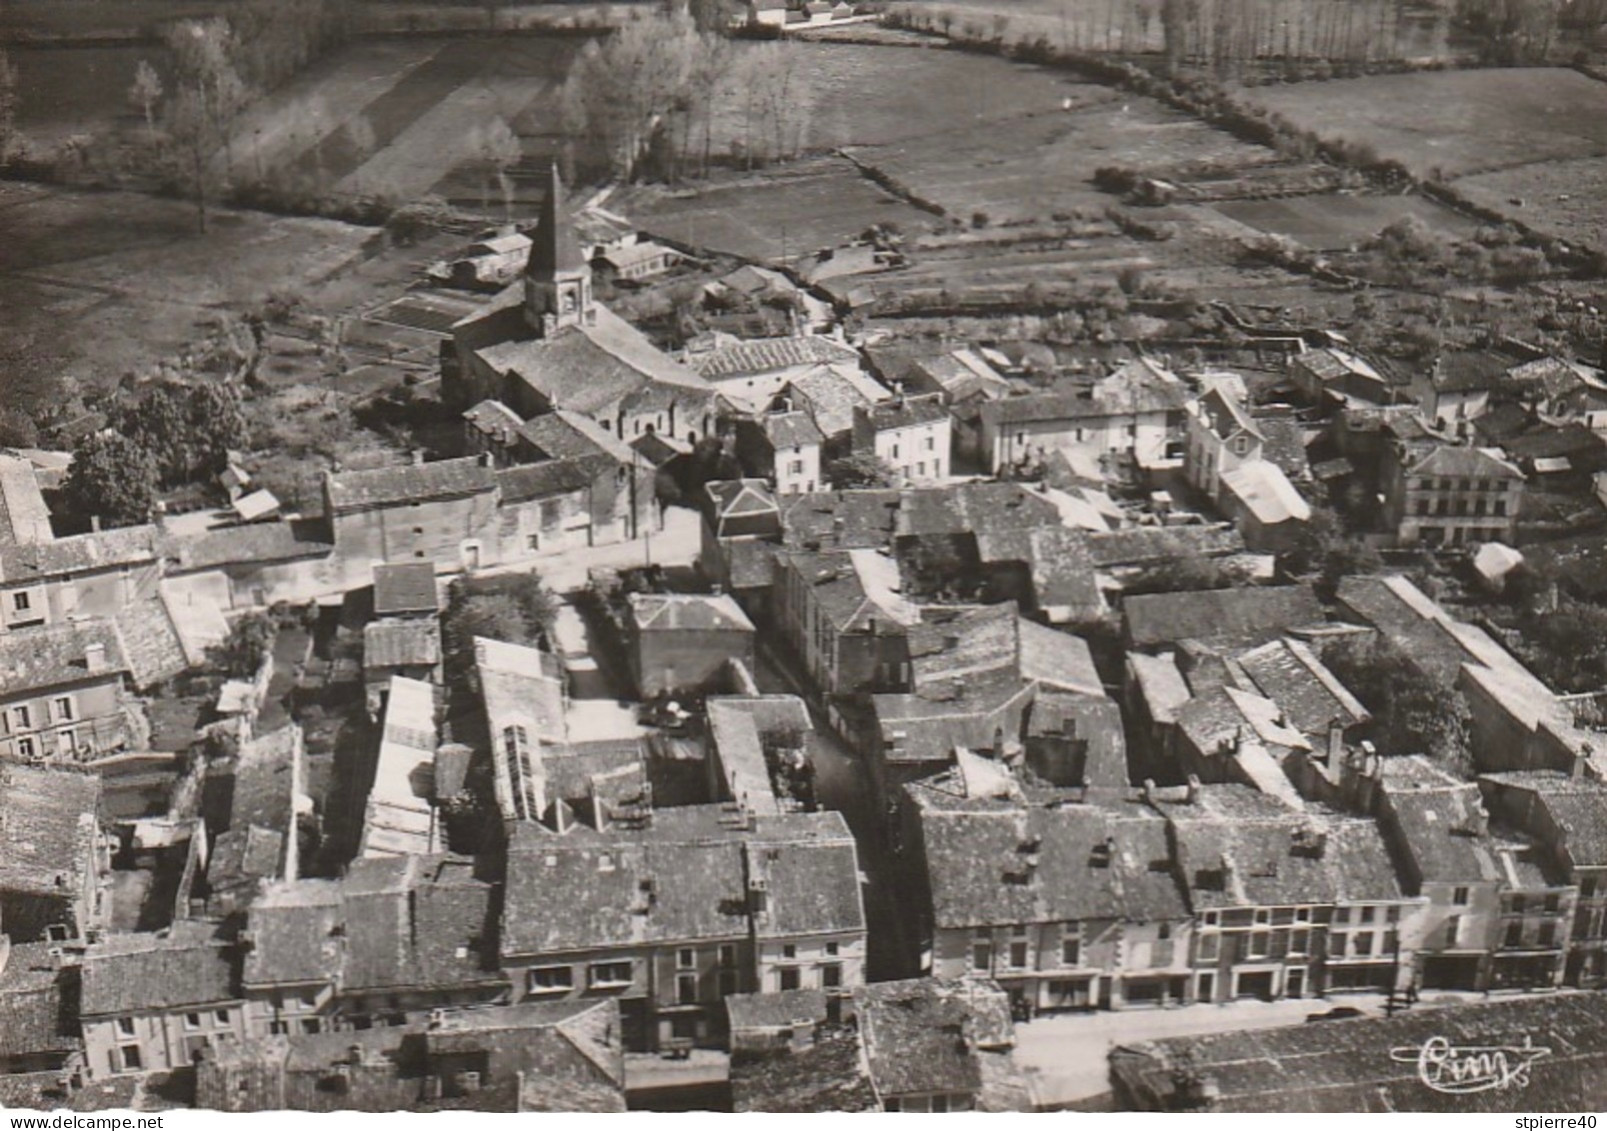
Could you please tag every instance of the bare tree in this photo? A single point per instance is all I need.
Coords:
(146, 92)
(208, 95)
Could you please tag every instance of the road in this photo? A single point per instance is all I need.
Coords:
(564, 571)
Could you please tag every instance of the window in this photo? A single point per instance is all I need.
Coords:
(920, 468)
(1210, 918)
(25, 748)
(789, 950)
(686, 989)
(1258, 944)
(310, 1025)
(787, 978)
(1392, 914)
(1587, 887)
(1547, 935)
(1208, 947)
(1514, 934)
(931, 444)
(192, 1020)
(795, 467)
(1338, 944)
(1453, 928)
(610, 974)
(309, 998)
(1163, 931)
(125, 1026)
(131, 1058)
(66, 740)
(1341, 914)
(1262, 916)
(221, 1016)
(279, 1028)
(728, 954)
(1018, 954)
(982, 951)
(833, 948)
(1460, 897)
(1298, 941)
(1368, 914)
(686, 959)
(62, 705)
(1553, 901)
(554, 979)
(831, 975)
(1364, 944)
(1517, 904)
(21, 718)
(1302, 914)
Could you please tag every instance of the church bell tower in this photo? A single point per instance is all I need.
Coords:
(557, 278)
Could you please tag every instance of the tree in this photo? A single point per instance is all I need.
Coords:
(208, 94)
(8, 107)
(187, 430)
(497, 147)
(245, 647)
(1322, 545)
(860, 469)
(111, 478)
(146, 92)
(1411, 713)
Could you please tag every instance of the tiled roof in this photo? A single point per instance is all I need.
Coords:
(50, 818)
(1093, 719)
(1237, 847)
(791, 430)
(1468, 371)
(409, 483)
(998, 862)
(1147, 545)
(265, 776)
(492, 418)
(52, 655)
(151, 641)
(750, 563)
(961, 644)
(921, 1035)
(1285, 445)
(697, 612)
(905, 412)
(1161, 685)
(1459, 461)
(1058, 562)
(1261, 486)
(813, 886)
(405, 588)
(78, 553)
(401, 643)
(1345, 1067)
(24, 517)
(295, 934)
(1226, 417)
(1290, 674)
(1244, 616)
(926, 727)
(1116, 399)
(828, 1075)
(275, 541)
(1058, 659)
(572, 436)
(766, 355)
(31, 1001)
(831, 395)
(137, 973)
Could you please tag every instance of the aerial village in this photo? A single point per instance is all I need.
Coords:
(792, 713)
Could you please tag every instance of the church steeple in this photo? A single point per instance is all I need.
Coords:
(557, 277)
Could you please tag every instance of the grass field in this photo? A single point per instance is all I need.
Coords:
(1560, 198)
(1457, 122)
(1332, 222)
(78, 90)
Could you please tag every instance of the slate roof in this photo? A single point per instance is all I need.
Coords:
(408, 587)
(1350, 1067)
(53, 655)
(766, 355)
(411, 483)
(139, 973)
(49, 827)
(1447, 838)
(401, 643)
(688, 612)
(1243, 616)
(566, 435)
(553, 247)
(1456, 461)
(294, 934)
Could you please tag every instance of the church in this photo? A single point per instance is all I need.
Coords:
(546, 345)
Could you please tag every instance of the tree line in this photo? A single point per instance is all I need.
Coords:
(656, 96)
(216, 68)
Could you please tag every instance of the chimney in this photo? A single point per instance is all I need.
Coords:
(94, 523)
(418, 456)
(1194, 788)
(716, 589)
(95, 657)
(1336, 742)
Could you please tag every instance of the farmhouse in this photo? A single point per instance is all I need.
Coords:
(64, 694)
(912, 435)
(1439, 494)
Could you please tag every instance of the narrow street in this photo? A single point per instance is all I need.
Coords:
(841, 783)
